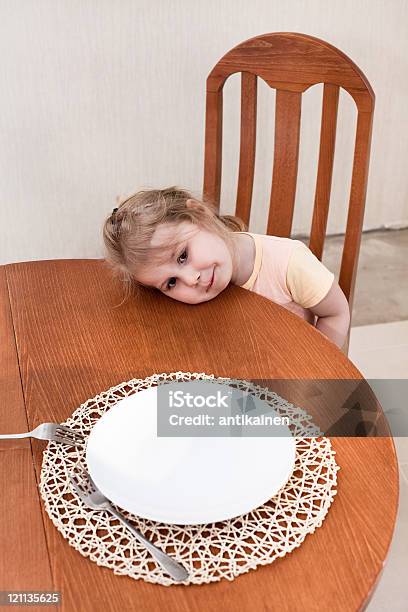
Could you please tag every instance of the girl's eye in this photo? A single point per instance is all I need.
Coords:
(183, 256)
(181, 259)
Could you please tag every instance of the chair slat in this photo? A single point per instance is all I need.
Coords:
(247, 146)
(213, 147)
(325, 168)
(351, 247)
(285, 162)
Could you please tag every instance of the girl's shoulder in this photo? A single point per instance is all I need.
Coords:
(275, 242)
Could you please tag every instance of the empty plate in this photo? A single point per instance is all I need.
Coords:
(184, 480)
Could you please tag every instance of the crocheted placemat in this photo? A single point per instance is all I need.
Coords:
(210, 551)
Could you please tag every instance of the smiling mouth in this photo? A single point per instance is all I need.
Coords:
(211, 281)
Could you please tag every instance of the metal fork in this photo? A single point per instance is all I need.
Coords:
(93, 497)
(50, 431)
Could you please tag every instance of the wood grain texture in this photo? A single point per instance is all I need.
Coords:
(291, 63)
(213, 146)
(285, 163)
(24, 558)
(247, 146)
(325, 169)
(352, 239)
(74, 343)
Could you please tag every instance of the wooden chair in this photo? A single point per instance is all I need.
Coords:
(291, 63)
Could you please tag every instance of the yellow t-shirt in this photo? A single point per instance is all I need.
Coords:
(288, 273)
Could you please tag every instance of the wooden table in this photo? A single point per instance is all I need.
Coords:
(62, 342)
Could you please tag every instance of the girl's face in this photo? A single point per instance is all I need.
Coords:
(197, 272)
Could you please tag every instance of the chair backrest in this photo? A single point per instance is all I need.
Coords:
(291, 63)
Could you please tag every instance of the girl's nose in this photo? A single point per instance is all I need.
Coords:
(191, 277)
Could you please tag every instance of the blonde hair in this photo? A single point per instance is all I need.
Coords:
(128, 230)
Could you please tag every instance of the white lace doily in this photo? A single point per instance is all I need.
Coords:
(209, 552)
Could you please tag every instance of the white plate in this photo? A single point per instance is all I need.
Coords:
(183, 480)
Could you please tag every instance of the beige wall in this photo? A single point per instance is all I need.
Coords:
(102, 97)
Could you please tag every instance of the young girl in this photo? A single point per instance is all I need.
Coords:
(179, 245)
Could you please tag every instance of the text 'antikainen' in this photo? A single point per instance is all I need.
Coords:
(237, 420)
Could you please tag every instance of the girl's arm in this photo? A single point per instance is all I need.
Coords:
(333, 315)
